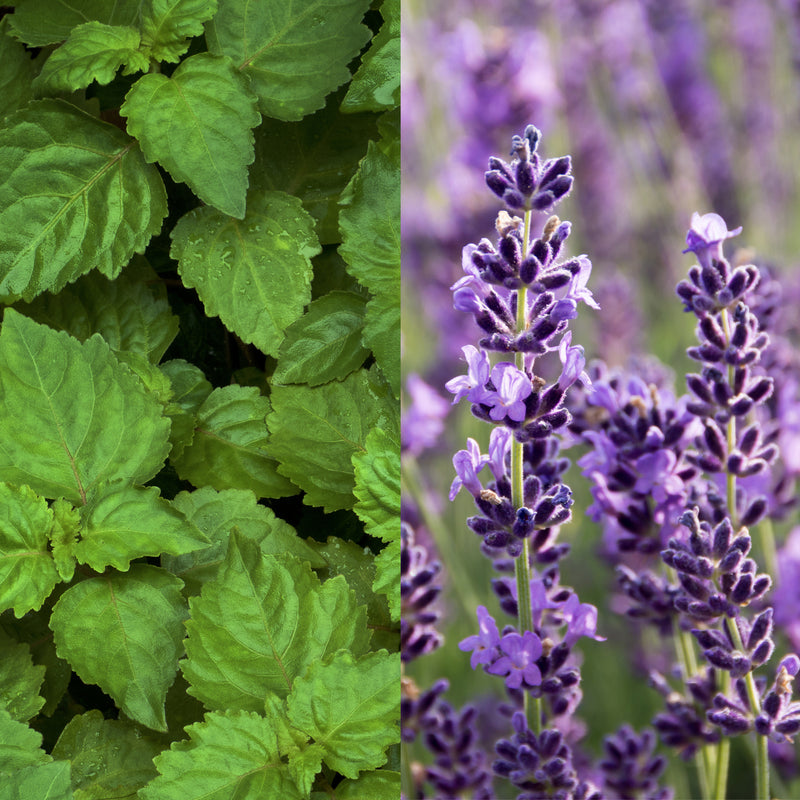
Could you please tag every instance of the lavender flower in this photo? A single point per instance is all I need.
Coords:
(630, 770)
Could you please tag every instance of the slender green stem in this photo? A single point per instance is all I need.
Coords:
(522, 566)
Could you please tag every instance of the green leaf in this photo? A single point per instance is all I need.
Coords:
(231, 447)
(64, 534)
(216, 514)
(109, 758)
(382, 784)
(93, 52)
(20, 746)
(104, 627)
(49, 781)
(189, 389)
(33, 631)
(370, 226)
(387, 578)
(325, 343)
(259, 624)
(20, 680)
(125, 522)
(376, 84)
(16, 72)
(167, 25)
(77, 195)
(350, 707)
(131, 312)
(27, 571)
(232, 755)
(42, 22)
(197, 125)
(255, 274)
(313, 159)
(58, 399)
(316, 430)
(377, 471)
(293, 53)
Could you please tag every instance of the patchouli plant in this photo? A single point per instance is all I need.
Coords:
(199, 415)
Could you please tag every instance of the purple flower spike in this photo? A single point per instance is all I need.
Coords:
(499, 448)
(706, 235)
(574, 361)
(468, 463)
(484, 645)
(513, 387)
(581, 621)
(471, 385)
(518, 664)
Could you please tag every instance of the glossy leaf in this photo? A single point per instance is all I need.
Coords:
(217, 514)
(27, 571)
(387, 577)
(57, 400)
(293, 53)
(49, 781)
(259, 624)
(20, 679)
(350, 707)
(231, 448)
(316, 430)
(17, 70)
(197, 125)
(382, 784)
(370, 226)
(109, 758)
(227, 755)
(131, 312)
(42, 22)
(125, 522)
(325, 343)
(189, 389)
(93, 52)
(377, 471)
(20, 746)
(104, 627)
(255, 274)
(376, 84)
(167, 25)
(313, 159)
(100, 203)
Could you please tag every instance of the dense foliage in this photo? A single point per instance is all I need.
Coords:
(199, 413)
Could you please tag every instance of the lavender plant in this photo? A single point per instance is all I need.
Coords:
(199, 399)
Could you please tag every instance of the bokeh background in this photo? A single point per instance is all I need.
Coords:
(667, 107)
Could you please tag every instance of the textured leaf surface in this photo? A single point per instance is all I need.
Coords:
(167, 25)
(48, 781)
(93, 52)
(377, 471)
(254, 274)
(20, 746)
(313, 159)
(27, 571)
(383, 784)
(196, 124)
(325, 343)
(109, 758)
(294, 52)
(16, 72)
(260, 623)
(20, 679)
(370, 226)
(350, 707)
(316, 430)
(58, 399)
(228, 756)
(387, 578)
(216, 514)
(41, 22)
(376, 84)
(123, 523)
(231, 448)
(123, 632)
(77, 194)
(130, 312)
(189, 389)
